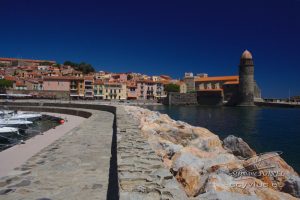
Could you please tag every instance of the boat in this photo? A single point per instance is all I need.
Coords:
(8, 131)
(17, 123)
(26, 116)
(6, 112)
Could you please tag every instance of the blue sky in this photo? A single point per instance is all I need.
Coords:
(161, 37)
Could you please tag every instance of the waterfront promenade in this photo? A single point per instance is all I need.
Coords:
(76, 166)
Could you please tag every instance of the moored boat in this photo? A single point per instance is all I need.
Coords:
(18, 123)
(8, 131)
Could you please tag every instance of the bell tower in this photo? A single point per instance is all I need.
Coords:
(246, 80)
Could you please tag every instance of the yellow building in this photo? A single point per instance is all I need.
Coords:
(98, 89)
(76, 87)
(114, 91)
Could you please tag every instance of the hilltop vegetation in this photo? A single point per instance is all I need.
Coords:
(83, 67)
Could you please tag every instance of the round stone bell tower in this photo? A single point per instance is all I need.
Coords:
(246, 80)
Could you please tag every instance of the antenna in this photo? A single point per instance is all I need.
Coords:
(289, 95)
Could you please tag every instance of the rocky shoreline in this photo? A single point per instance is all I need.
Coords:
(208, 168)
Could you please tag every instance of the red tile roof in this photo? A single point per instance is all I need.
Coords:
(217, 78)
(26, 60)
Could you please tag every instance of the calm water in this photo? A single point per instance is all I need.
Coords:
(264, 129)
(38, 127)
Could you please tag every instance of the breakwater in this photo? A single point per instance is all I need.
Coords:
(209, 168)
(127, 152)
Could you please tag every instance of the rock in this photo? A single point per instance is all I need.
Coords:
(191, 180)
(6, 191)
(271, 169)
(248, 187)
(164, 148)
(269, 194)
(161, 173)
(207, 143)
(227, 168)
(292, 186)
(148, 131)
(238, 147)
(214, 195)
(22, 184)
(186, 159)
(206, 168)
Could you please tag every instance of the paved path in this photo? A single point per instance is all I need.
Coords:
(74, 167)
(17, 155)
(142, 175)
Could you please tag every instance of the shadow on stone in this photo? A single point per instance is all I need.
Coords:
(113, 186)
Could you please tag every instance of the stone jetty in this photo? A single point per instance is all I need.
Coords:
(132, 153)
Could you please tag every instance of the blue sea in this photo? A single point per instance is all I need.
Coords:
(264, 129)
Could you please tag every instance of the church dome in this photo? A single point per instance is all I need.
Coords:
(246, 55)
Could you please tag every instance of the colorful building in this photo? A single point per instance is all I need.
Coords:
(76, 87)
(115, 91)
(89, 87)
(56, 83)
(98, 89)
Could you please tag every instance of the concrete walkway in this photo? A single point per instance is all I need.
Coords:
(76, 166)
(17, 155)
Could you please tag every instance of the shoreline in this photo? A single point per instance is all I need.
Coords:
(17, 155)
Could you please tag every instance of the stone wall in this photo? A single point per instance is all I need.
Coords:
(42, 93)
(175, 98)
(210, 97)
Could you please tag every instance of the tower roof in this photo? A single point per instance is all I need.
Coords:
(246, 55)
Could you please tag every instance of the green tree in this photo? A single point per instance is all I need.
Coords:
(70, 63)
(4, 84)
(46, 63)
(129, 77)
(83, 67)
(172, 88)
(56, 65)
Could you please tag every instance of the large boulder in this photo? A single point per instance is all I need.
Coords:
(185, 159)
(207, 143)
(192, 182)
(292, 186)
(273, 170)
(246, 187)
(238, 147)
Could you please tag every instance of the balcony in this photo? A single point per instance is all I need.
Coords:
(73, 88)
(74, 94)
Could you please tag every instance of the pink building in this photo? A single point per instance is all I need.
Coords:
(131, 91)
(56, 83)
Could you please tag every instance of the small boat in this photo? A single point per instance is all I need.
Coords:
(18, 123)
(6, 112)
(26, 116)
(8, 131)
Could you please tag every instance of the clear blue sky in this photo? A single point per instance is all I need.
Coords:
(160, 37)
